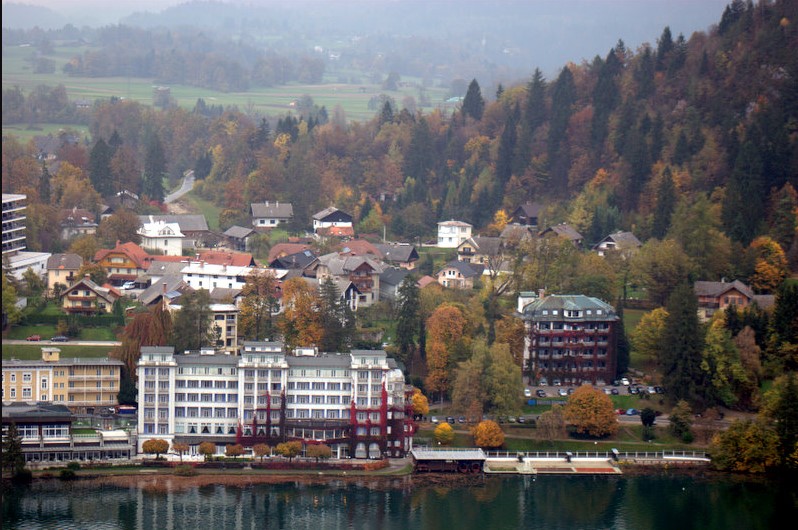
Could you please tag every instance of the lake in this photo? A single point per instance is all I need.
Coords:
(672, 501)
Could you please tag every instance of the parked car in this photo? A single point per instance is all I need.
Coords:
(541, 393)
(659, 390)
(59, 338)
(607, 390)
(450, 420)
(527, 392)
(543, 382)
(625, 381)
(34, 338)
(614, 392)
(511, 419)
(633, 390)
(556, 382)
(129, 285)
(570, 390)
(434, 419)
(631, 412)
(461, 419)
(562, 392)
(521, 419)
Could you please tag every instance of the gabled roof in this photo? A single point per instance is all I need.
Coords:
(286, 249)
(166, 268)
(426, 280)
(515, 231)
(167, 284)
(320, 216)
(564, 230)
(187, 222)
(397, 252)
(529, 209)
(68, 262)
(393, 276)
(298, 260)
(76, 216)
(359, 247)
(236, 259)
(342, 265)
(336, 231)
(621, 239)
(273, 210)
(467, 270)
(452, 222)
(716, 289)
(132, 251)
(238, 232)
(220, 294)
(487, 245)
(106, 291)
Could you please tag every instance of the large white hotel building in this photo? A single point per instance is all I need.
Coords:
(356, 402)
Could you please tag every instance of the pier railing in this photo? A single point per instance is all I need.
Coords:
(619, 455)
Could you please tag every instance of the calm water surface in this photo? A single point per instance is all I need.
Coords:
(547, 502)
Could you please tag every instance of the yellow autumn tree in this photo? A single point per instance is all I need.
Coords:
(445, 329)
(300, 324)
(443, 434)
(591, 412)
(771, 265)
(155, 447)
(488, 434)
(420, 403)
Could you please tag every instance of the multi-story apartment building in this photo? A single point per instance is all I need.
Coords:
(569, 337)
(202, 275)
(161, 236)
(355, 402)
(84, 385)
(452, 234)
(15, 257)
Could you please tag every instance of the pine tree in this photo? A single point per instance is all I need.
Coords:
(100, 168)
(744, 202)
(45, 189)
(786, 416)
(408, 319)
(473, 104)
(192, 324)
(154, 169)
(682, 343)
(507, 143)
(605, 98)
(664, 206)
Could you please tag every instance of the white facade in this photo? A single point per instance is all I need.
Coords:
(201, 275)
(14, 243)
(161, 236)
(205, 396)
(452, 234)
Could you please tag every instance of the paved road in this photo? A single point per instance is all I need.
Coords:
(185, 187)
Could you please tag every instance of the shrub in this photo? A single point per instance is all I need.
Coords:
(67, 474)
(74, 466)
(185, 471)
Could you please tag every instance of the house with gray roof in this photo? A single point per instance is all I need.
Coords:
(390, 280)
(193, 227)
(572, 338)
(480, 249)
(527, 214)
(270, 214)
(331, 218)
(717, 296)
(564, 231)
(363, 271)
(460, 274)
(402, 255)
(239, 238)
(623, 242)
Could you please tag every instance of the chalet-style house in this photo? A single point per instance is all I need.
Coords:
(123, 263)
(85, 297)
(451, 234)
(460, 274)
(162, 237)
(403, 255)
(514, 234)
(270, 214)
(527, 214)
(564, 231)
(364, 272)
(303, 263)
(286, 249)
(77, 222)
(333, 222)
(572, 338)
(62, 269)
(193, 227)
(480, 249)
(624, 243)
(239, 238)
(717, 296)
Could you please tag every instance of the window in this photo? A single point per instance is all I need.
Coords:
(44, 383)
(26, 393)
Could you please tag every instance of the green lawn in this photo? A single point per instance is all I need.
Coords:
(48, 330)
(199, 205)
(33, 352)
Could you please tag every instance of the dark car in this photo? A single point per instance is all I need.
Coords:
(450, 420)
(59, 338)
(541, 393)
(614, 391)
(461, 419)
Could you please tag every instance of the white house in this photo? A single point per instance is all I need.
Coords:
(451, 234)
(271, 214)
(162, 236)
(331, 218)
(201, 275)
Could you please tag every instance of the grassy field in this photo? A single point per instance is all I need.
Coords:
(272, 101)
(25, 132)
(48, 330)
(33, 352)
(196, 204)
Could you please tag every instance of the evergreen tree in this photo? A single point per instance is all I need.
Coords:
(664, 206)
(45, 189)
(605, 99)
(644, 74)
(100, 168)
(336, 319)
(419, 158)
(664, 48)
(13, 457)
(408, 318)
(154, 169)
(562, 102)
(534, 115)
(744, 202)
(507, 142)
(682, 343)
(115, 142)
(192, 325)
(473, 104)
(786, 415)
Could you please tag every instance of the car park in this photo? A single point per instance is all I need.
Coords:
(59, 338)
(34, 338)
(541, 393)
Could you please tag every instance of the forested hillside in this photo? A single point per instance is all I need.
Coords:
(693, 140)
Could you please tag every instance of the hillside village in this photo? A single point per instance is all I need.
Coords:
(352, 275)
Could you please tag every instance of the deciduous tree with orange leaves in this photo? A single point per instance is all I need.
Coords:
(488, 434)
(300, 324)
(591, 412)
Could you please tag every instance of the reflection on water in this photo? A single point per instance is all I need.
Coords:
(549, 502)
